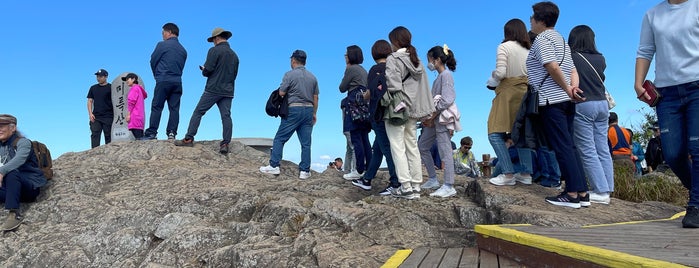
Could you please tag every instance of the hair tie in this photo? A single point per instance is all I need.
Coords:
(445, 48)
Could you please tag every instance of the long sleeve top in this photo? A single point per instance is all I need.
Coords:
(510, 62)
(670, 33)
(167, 61)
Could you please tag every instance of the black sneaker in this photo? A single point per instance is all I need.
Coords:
(171, 136)
(224, 148)
(691, 218)
(564, 200)
(584, 200)
(388, 191)
(149, 137)
(362, 183)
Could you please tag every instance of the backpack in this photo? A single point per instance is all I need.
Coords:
(43, 157)
(357, 106)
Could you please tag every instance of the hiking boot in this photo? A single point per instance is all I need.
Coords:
(223, 149)
(353, 175)
(362, 183)
(602, 198)
(12, 222)
(502, 180)
(691, 218)
(171, 136)
(564, 200)
(584, 200)
(402, 192)
(304, 175)
(270, 170)
(185, 142)
(444, 191)
(523, 179)
(388, 191)
(432, 183)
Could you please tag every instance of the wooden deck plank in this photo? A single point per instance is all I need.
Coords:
(415, 258)
(469, 258)
(433, 258)
(658, 240)
(488, 260)
(451, 258)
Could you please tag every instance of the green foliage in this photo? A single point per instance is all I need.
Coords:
(641, 131)
(663, 187)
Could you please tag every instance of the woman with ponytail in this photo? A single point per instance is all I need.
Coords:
(440, 126)
(406, 76)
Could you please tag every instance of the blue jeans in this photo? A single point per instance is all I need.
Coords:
(523, 165)
(381, 148)
(170, 92)
(15, 189)
(558, 125)
(678, 116)
(497, 140)
(362, 147)
(300, 120)
(207, 101)
(591, 127)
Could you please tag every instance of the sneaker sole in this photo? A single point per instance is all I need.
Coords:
(564, 204)
(585, 204)
(362, 186)
(526, 182)
(502, 184)
(443, 196)
(599, 202)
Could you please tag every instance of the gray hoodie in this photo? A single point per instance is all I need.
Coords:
(415, 89)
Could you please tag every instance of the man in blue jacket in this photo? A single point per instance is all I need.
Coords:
(167, 62)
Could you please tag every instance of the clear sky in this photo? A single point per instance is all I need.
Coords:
(50, 51)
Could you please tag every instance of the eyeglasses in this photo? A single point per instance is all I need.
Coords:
(468, 147)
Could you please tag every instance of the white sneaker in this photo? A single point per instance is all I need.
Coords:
(602, 198)
(501, 180)
(304, 175)
(432, 183)
(523, 179)
(353, 175)
(270, 170)
(444, 191)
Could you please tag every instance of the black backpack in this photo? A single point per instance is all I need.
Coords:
(277, 105)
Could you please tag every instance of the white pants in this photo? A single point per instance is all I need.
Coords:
(406, 155)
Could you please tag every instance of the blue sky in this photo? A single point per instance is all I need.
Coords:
(51, 49)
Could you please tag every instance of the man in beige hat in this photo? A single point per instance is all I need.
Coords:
(221, 69)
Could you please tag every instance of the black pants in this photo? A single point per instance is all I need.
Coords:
(99, 126)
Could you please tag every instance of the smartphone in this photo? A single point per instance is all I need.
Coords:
(580, 95)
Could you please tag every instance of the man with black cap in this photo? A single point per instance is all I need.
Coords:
(167, 62)
(99, 109)
(654, 153)
(301, 88)
(221, 69)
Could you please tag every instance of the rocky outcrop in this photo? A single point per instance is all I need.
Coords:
(151, 204)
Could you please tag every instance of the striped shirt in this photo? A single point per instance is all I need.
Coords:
(549, 46)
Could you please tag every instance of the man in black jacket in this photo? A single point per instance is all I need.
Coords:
(221, 68)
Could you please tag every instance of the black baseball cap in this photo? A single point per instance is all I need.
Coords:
(130, 75)
(299, 54)
(102, 72)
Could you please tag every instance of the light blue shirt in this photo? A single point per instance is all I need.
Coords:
(671, 33)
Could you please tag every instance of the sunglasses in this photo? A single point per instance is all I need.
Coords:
(466, 146)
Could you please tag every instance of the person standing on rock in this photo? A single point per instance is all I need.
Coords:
(406, 76)
(167, 63)
(221, 69)
(136, 115)
(20, 176)
(99, 109)
(301, 86)
(669, 32)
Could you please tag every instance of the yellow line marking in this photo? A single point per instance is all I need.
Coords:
(592, 254)
(397, 258)
(674, 217)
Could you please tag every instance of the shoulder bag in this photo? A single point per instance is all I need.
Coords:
(609, 97)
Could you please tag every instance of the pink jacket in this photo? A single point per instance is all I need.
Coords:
(136, 106)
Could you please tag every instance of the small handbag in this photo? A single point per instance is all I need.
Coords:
(653, 92)
(610, 99)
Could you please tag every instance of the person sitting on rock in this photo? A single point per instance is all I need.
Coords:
(20, 176)
(464, 160)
